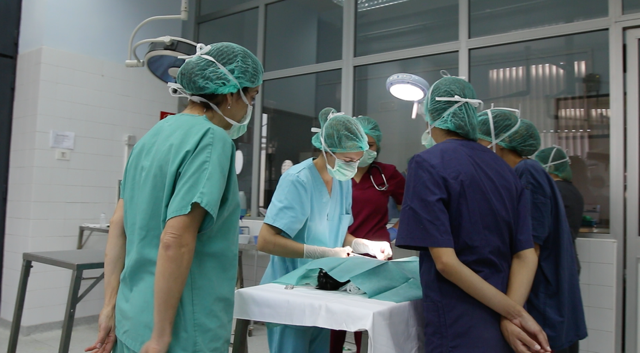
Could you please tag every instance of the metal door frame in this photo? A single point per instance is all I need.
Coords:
(632, 202)
(6, 122)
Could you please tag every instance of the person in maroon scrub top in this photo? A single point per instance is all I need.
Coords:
(372, 186)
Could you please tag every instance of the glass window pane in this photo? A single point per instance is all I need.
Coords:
(290, 109)
(562, 85)
(240, 28)
(489, 17)
(302, 32)
(208, 6)
(630, 6)
(403, 24)
(400, 134)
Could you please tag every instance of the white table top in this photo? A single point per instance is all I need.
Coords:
(392, 327)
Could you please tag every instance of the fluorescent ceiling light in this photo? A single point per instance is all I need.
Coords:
(371, 4)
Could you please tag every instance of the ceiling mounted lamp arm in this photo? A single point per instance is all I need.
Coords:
(184, 15)
(165, 39)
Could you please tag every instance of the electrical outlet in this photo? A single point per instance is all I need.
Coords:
(63, 155)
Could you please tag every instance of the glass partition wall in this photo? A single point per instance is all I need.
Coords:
(553, 65)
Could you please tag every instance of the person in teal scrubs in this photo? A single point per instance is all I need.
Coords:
(172, 249)
(309, 216)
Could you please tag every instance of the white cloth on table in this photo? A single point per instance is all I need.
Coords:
(392, 327)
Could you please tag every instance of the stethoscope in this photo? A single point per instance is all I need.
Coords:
(386, 185)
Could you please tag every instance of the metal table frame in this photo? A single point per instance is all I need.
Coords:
(82, 229)
(77, 261)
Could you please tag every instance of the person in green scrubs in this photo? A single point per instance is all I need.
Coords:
(172, 249)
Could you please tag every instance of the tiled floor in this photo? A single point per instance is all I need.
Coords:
(84, 336)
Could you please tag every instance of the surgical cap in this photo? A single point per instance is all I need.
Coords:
(462, 119)
(561, 168)
(342, 133)
(525, 140)
(200, 76)
(371, 128)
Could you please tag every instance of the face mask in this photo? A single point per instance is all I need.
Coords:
(495, 142)
(237, 129)
(342, 170)
(368, 158)
(427, 139)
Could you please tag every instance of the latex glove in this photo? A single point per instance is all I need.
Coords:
(319, 252)
(393, 233)
(380, 249)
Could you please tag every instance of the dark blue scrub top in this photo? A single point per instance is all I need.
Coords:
(555, 301)
(461, 195)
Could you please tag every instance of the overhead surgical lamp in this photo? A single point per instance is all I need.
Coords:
(408, 87)
(163, 52)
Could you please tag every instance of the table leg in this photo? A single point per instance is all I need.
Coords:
(364, 346)
(80, 236)
(70, 313)
(17, 313)
(240, 336)
(240, 277)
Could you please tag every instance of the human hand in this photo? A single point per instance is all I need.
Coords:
(106, 332)
(380, 249)
(527, 324)
(319, 252)
(518, 339)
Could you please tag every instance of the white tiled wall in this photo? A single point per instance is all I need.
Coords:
(48, 199)
(597, 284)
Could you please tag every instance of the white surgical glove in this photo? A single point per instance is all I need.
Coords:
(380, 249)
(319, 252)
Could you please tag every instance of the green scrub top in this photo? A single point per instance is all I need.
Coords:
(184, 159)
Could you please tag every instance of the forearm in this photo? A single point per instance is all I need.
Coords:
(348, 240)
(114, 256)
(272, 242)
(523, 269)
(175, 255)
(396, 225)
(462, 276)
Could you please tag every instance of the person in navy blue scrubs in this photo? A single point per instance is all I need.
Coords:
(465, 210)
(555, 301)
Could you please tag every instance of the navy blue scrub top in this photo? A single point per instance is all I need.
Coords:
(555, 301)
(461, 195)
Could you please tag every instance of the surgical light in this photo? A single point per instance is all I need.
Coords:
(163, 52)
(408, 87)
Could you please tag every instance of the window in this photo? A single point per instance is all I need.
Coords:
(302, 32)
(290, 109)
(240, 28)
(208, 6)
(562, 85)
(403, 24)
(487, 17)
(400, 134)
(630, 6)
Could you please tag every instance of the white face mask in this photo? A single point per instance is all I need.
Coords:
(341, 170)
(494, 142)
(237, 128)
